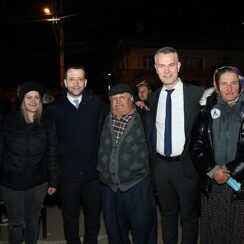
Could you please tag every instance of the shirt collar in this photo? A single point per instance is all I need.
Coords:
(124, 117)
(71, 99)
(178, 85)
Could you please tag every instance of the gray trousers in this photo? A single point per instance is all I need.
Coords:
(23, 208)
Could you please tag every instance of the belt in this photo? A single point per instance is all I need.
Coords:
(168, 158)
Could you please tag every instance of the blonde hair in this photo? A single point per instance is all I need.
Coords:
(37, 115)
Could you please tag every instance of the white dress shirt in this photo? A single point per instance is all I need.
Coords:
(178, 124)
(71, 99)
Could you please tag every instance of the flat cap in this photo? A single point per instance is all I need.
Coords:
(119, 88)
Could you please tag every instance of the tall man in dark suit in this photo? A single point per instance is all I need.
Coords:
(76, 113)
(174, 174)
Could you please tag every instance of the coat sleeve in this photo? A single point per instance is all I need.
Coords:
(52, 156)
(236, 167)
(201, 152)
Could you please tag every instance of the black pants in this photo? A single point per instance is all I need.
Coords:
(177, 194)
(72, 194)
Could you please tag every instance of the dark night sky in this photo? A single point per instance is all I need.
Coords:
(29, 49)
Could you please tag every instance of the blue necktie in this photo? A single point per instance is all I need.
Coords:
(76, 101)
(167, 132)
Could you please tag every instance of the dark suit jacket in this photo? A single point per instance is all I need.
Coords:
(192, 95)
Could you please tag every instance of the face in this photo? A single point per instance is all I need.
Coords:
(167, 67)
(75, 82)
(121, 104)
(143, 93)
(229, 86)
(32, 101)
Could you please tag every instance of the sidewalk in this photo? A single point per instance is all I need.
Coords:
(55, 229)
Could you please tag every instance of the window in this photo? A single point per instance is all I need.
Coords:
(148, 62)
(192, 63)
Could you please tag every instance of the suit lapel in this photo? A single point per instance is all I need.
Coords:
(155, 103)
(187, 106)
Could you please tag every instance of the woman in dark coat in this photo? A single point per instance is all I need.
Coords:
(218, 154)
(28, 165)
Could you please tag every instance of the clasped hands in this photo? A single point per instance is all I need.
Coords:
(221, 175)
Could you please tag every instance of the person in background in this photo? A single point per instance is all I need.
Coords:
(76, 113)
(218, 153)
(144, 91)
(174, 174)
(28, 163)
(124, 170)
(48, 99)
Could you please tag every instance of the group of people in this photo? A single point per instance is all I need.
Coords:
(117, 158)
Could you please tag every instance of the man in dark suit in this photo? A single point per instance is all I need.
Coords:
(174, 174)
(76, 113)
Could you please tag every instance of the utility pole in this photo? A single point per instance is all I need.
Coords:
(58, 31)
(61, 45)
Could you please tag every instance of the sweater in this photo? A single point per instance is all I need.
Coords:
(123, 165)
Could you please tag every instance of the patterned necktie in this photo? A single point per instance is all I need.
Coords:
(76, 102)
(167, 132)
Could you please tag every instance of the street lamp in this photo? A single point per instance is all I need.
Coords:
(59, 34)
(47, 11)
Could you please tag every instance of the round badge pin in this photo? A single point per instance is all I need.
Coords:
(215, 113)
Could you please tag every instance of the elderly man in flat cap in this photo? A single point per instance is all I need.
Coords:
(124, 170)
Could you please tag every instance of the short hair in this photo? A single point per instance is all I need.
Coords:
(74, 66)
(166, 50)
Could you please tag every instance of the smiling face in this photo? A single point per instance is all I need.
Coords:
(121, 104)
(32, 101)
(167, 67)
(75, 82)
(229, 86)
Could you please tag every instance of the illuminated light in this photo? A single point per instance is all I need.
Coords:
(53, 19)
(47, 11)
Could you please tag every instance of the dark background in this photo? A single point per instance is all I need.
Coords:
(94, 28)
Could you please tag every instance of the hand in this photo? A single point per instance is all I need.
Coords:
(142, 105)
(51, 190)
(221, 175)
